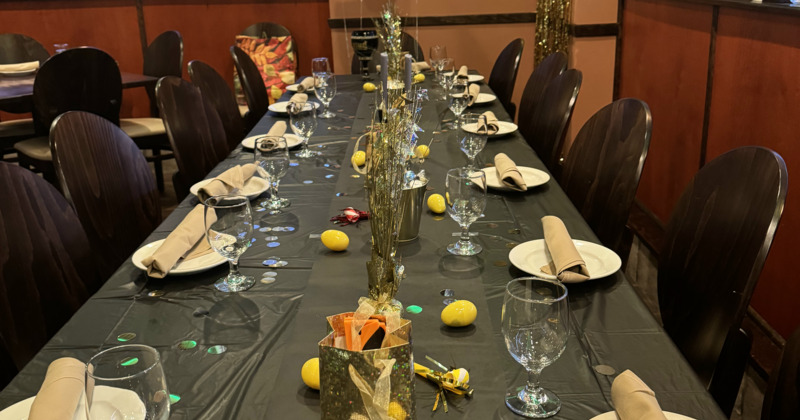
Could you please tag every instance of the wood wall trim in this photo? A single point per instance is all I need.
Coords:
(712, 48)
(763, 6)
(579, 31)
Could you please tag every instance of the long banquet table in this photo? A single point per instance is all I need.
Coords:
(271, 329)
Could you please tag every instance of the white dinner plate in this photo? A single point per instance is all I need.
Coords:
(503, 128)
(532, 255)
(195, 265)
(280, 107)
(293, 88)
(532, 177)
(484, 98)
(612, 415)
(291, 141)
(20, 73)
(252, 188)
(471, 78)
(118, 403)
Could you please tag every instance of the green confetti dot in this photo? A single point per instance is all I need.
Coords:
(217, 349)
(187, 344)
(414, 309)
(129, 361)
(126, 337)
(173, 398)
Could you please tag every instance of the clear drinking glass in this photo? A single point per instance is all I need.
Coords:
(438, 52)
(465, 199)
(229, 229)
(320, 65)
(459, 99)
(447, 73)
(325, 89)
(272, 161)
(472, 141)
(303, 120)
(126, 382)
(535, 324)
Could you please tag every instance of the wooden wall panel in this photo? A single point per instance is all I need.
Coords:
(664, 62)
(755, 101)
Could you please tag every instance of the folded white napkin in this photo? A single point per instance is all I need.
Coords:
(567, 264)
(299, 97)
(278, 129)
(27, 66)
(474, 90)
(508, 173)
(463, 72)
(187, 241)
(306, 84)
(61, 391)
(633, 399)
(492, 124)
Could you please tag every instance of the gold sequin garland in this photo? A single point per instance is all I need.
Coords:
(553, 29)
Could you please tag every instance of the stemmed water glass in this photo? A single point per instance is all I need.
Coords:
(438, 52)
(465, 202)
(320, 65)
(325, 89)
(535, 325)
(472, 141)
(447, 73)
(126, 382)
(459, 99)
(303, 120)
(272, 162)
(229, 229)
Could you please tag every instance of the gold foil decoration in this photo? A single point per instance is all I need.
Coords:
(553, 28)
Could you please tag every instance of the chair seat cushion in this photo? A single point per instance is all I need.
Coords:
(37, 148)
(142, 127)
(243, 109)
(17, 128)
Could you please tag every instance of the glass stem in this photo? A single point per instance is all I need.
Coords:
(273, 190)
(465, 233)
(233, 275)
(532, 389)
(327, 105)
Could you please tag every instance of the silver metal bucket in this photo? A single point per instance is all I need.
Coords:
(412, 199)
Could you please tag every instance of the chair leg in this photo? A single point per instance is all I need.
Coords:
(159, 168)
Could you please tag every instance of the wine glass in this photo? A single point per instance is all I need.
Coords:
(303, 120)
(438, 52)
(465, 202)
(535, 324)
(447, 73)
(126, 382)
(325, 89)
(472, 141)
(459, 99)
(365, 42)
(320, 65)
(272, 162)
(229, 229)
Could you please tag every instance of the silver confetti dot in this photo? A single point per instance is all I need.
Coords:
(278, 229)
(270, 274)
(269, 262)
(156, 293)
(260, 209)
(605, 370)
(289, 228)
(293, 164)
(282, 263)
(264, 229)
(268, 280)
(308, 181)
(327, 165)
(219, 349)
(271, 238)
(329, 176)
(274, 244)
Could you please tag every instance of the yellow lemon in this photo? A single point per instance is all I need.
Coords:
(359, 158)
(422, 151)
(335, 240)
(419, 78)
(310, 373)
(436, 203)
(396, 411)
(459, 313)
(369, 87)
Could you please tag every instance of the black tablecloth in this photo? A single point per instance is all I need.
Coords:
(270, 330)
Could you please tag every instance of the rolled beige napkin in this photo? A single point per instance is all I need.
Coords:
(420, 66)
(187, 241)
(474, 90)
(27, 66)
(633, 399)
(278, 129)
(463, 73)
(61, 391)
(567, 263)
(508, 173)
(492, 126)
(299, 97)
(306, 84)
(232, 179)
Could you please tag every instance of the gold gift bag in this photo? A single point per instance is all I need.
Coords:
(371, 384)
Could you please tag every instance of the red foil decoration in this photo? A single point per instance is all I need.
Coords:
(350, 216)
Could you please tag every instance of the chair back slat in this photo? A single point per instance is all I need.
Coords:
(215, 90)
(504, 74)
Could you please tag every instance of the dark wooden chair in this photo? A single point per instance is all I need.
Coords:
(602, 170)
(546, 128)
(782, 398)
(78, 79)
(109, 183)
(504, 75)
(553, 65)
(408, 44)
(46, 265)
(216, 90)
(716, 242)
(253, 86)
(163, 57)
(195, 131)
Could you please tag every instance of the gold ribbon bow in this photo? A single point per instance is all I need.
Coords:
(376, 401)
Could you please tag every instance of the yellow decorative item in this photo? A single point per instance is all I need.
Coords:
(310, 373)
(458, 375)
(369, 87)
(455, 380)
(396, 411)
(422, 151)
(436, 203)
(459, 313)
(359, 158)
(419, 78)
(335, 240)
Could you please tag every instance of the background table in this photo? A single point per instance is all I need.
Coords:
(16, 90)
(270, 330)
